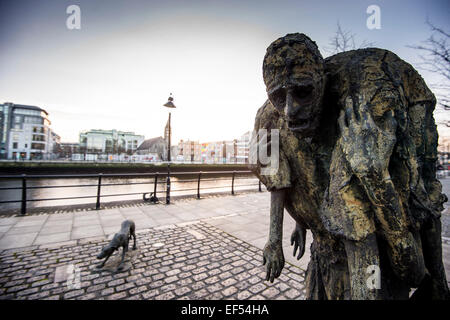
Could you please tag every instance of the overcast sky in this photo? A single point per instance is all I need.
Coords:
(119, 68)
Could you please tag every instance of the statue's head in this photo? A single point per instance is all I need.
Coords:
(106, 251)
(293, 72)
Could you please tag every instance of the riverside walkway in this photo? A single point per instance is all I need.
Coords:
(191, 249)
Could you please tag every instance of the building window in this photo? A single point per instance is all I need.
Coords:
(37, 137)
(14, 145)
(37, 146)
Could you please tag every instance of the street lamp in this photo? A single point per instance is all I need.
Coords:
(169, 104)
(168, 131)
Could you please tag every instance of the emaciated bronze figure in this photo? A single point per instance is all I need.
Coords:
(358, 149)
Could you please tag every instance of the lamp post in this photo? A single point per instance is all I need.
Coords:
(168, 129)
(169, 104)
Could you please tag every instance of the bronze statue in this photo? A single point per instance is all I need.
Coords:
(358, 147)
(120, 239)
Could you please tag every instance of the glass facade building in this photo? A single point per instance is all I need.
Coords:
(25, 133)
(109, 142)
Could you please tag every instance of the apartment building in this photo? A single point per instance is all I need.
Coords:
(25, 133)
(234, 151)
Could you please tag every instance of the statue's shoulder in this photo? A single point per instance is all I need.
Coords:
(370, 65)
(267, 117)
(359, 55)
(360, 61)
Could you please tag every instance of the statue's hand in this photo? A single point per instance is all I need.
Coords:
(273, 256)
(298, 240)
(366, 146)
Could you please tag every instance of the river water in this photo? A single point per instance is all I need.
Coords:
(186, 185)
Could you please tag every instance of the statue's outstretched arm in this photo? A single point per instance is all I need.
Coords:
(273, 250)
(368, 148)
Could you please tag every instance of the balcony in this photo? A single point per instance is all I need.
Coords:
(38, 146)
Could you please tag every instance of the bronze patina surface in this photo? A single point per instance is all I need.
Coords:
(357, 166)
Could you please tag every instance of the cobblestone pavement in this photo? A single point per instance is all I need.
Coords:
(187, 261)
(245, 216)
(212, 249)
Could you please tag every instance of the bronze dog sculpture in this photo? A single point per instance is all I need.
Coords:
(120, 239)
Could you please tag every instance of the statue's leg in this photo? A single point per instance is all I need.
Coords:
(124, 250)
(363, 258)
(335, 275)
(134, 241)
(435, 286)
(393, 288)
(327, 273)
(313, 282)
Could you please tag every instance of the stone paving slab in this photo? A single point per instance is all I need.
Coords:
(18, 240)
(195, 261)
(254, 229)
(85, 224)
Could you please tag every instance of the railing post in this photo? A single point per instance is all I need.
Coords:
(232, 183)
(259, 186)
(99, 186)
(198, 185)
(155, 184)
(168, 185)
(23, 209)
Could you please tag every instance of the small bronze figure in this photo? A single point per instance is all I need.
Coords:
(120, 239)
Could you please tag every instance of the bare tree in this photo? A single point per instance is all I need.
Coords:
(436, 59)
(344, 40)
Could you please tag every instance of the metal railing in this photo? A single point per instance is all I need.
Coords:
(154, 180)
(442, 174)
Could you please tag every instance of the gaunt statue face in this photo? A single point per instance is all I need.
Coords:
(294, 77)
